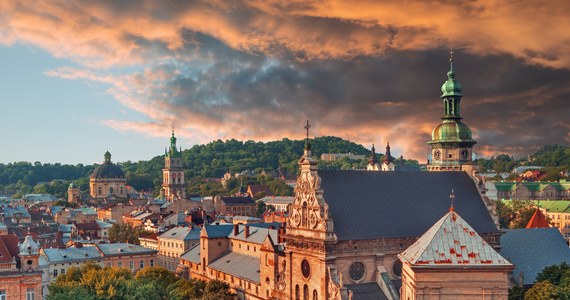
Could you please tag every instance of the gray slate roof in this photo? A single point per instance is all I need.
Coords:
(71, 254)
(123, 249)
(533, 249)
(181, 233)
(218, 231)
(235, 200)
(256, 234)
(238, 265)
(366, 291)
(192, 255)
(371, 205)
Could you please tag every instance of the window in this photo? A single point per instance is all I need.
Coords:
(132, 265)
(99, 191)
(62, 271)
(2, 295)
(109, 264)
(30, 294)
(141, 265)
(356, 271)
(55, 273)
(152, 262)
(120, 264)
(315, 295)
(219, 244)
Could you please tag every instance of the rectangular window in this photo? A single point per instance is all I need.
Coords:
(152, 262)
(141, 265)
(2, 295)
(120, 264)
(55, 273)
(62, 271)
(132, 265)
(30, 294)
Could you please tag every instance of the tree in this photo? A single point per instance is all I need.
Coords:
(186, 289)
(543, 290)
(156, 274)
(554, 274)
(261, 207)
(515, 213)
(123, 233)
(218, 290)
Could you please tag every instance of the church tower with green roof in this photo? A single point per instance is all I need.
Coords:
(173, 184)
(451, 141)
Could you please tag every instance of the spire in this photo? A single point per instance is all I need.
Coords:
(307, 144)
(451, 199)
(172, 151)
(388, 156)
(451, 73)
(373, 160)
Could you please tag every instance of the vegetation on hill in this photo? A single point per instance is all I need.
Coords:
(91, 281)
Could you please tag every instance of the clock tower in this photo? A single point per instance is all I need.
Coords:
(451, 142)
(173, 173)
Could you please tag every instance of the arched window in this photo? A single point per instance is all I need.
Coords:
(121, 191)
(110, 191)
(297, 292)
(99, 190)
(306, 292)
(315, 295)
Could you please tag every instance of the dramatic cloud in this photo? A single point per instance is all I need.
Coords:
(368, 71)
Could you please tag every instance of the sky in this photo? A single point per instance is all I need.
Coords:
(78, 78)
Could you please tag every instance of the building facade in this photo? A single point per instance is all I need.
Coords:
(20, 274)
(173, 243)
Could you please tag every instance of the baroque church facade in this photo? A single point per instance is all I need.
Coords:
(345, 229)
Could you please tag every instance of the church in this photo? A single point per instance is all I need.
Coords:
(345, 229)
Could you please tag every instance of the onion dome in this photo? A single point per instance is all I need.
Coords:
(29, 247)
(451, 131)
(451, 87)
(108, 169)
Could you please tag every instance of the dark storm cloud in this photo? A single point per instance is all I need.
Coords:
(369, 71)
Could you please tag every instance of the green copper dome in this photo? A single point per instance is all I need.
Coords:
(451, 131)
(451, 87)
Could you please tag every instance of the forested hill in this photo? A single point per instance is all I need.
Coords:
(209, 160)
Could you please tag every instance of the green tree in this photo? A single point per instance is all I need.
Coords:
(543, 290)
(554, 274)
(123, 233)
(261, 207)
(218, 290)
(515, 213)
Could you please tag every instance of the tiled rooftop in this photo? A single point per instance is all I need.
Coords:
(452, 242)
(238, 265)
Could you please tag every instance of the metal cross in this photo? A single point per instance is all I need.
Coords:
(451, 55)
(307, 128)
(452, 197)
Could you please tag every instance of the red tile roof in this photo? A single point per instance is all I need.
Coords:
(538, 220)
(10, 244)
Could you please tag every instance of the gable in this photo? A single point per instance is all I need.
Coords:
(372, 205)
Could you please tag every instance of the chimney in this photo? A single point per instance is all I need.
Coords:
(246, 231)
(236, 229)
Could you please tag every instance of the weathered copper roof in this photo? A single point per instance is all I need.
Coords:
(452, 242)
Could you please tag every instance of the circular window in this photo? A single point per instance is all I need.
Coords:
(29, 262)
(397, 268)
(305, 268)
(356, 271)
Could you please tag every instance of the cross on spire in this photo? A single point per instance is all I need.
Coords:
(451, 198)
(307, 128)
(451, 59)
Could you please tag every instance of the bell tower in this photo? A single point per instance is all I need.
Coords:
(173, 173)
(451, 142)
(308, 231)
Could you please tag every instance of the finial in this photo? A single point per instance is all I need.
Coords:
(451, 198)
(307, 144)
(373, 149)
(173, 130)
